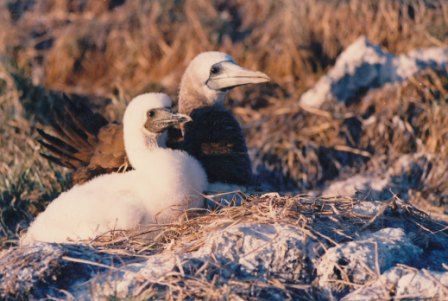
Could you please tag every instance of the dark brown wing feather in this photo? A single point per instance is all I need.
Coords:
(57, 160)
(77, 122)
(84, 141)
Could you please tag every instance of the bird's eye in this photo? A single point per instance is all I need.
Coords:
(215, 69)
(151, 113)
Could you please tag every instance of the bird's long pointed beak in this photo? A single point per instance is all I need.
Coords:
(233, 75)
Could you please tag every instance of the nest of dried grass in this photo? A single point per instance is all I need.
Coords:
(189, 233)
(325, 216)
(328, 221)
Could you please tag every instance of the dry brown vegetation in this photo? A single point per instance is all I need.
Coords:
(89, 46)
(310, 146)
(120, 48)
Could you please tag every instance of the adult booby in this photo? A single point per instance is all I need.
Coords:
(214, 137)
(162, 185)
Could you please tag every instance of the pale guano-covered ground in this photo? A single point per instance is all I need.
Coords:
(271, 247)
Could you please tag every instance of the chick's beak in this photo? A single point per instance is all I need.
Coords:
(181, 118)
(164, 120)
(233, 75)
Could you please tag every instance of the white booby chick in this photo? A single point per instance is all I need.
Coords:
(164, 182)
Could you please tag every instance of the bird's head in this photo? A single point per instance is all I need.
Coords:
(210, 76)
(149, 116)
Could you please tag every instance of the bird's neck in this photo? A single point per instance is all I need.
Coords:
(190, 98)
(193, 95)
(139, 147)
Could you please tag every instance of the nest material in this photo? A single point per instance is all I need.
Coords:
(328, 216)
(270, 208)
(323, 222)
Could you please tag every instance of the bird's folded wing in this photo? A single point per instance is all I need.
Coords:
(110, 153)
(215, 138)
(83, 141)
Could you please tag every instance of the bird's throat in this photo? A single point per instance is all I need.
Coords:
(153, 142)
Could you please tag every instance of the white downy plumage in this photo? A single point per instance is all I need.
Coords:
(163, 184)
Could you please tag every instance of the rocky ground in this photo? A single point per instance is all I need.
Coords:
(270, 248)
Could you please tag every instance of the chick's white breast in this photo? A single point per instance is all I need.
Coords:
(173, 177)
(176, 169)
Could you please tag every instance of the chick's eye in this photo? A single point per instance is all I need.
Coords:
(215, 69)
(151, 113)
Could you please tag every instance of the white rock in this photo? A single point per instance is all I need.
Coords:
(359, 259)
(256, 249)
(360, 183)
(260, 248)
(364, 65)
(404, 283)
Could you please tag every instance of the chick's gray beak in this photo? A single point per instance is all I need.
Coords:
(164, 120)
(170, 119)
(231, 75)
(181, 118)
